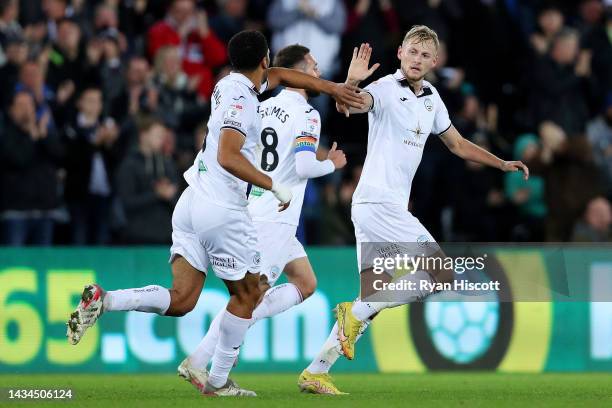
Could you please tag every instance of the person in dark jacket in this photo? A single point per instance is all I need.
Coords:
(30, 153)
(562, 85)
(93, 153)
(69, 65)
(147, 186)
(16, 53)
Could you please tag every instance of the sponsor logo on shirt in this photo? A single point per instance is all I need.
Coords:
(232, 123)
(415, 144)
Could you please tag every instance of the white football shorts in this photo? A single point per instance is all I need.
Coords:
(383, 223)
(206, 234)
(278, 246)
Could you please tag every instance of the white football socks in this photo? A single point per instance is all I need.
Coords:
(150, 299)
(364, 310)
(331, 350)
(276, 300)
(206, 348)
(232, 330)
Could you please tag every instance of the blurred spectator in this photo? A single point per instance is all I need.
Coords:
(178, 103)
(30, 154)
(92, 156)
(32, 80)
(550, 22)
(54, 10)
(596, 223)
(231, 18)
(335, 213)
(69, 65)
(527, 195)
(449, 81)
(137, 95)
(135, 17)
(436, 14)
(201, 49)
(597, 40)
(313, 24)
(35, 34)
(571, 178)
(374, 22)
(16, 53)
(561, 85)
(147, 187)
(110, 67)
(478, 202)
(599, 132)
(9, 26)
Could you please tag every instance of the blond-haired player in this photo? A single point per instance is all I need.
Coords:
(403, 110)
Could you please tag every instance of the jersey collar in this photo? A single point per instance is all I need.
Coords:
(403, 82)
(292, 94)
(237, 76)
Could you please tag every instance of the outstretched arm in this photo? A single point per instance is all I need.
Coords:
(469, 151)
(342, 93)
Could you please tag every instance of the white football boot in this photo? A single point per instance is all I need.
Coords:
(86, 314)
(230, 389)
(195, 376)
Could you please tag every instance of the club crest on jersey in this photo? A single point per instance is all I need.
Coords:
(234, 111)
(428, 104)
(312, 124)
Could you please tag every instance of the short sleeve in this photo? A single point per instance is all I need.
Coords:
(308, 131)
(377, 90)
(237, 113)
(442, 121)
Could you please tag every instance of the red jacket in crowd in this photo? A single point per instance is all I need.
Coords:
(200, 54)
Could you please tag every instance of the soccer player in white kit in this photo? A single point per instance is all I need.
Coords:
(210, 224)
(287, 153)
(403, 110)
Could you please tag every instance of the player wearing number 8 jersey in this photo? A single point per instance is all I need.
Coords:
(211, 225)
(287, 153)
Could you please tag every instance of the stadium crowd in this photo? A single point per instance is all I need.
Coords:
(104, 105)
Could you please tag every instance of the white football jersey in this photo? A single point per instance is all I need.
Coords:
(399, 124)
(234, 105)
(289, 125)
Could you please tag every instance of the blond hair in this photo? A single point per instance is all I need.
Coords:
(420, 34)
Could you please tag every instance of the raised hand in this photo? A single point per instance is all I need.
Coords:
(358, 70)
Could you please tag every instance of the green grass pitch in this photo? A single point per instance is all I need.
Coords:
(377, 390)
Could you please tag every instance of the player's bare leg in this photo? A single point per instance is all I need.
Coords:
(187, 284)
(233, 326)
